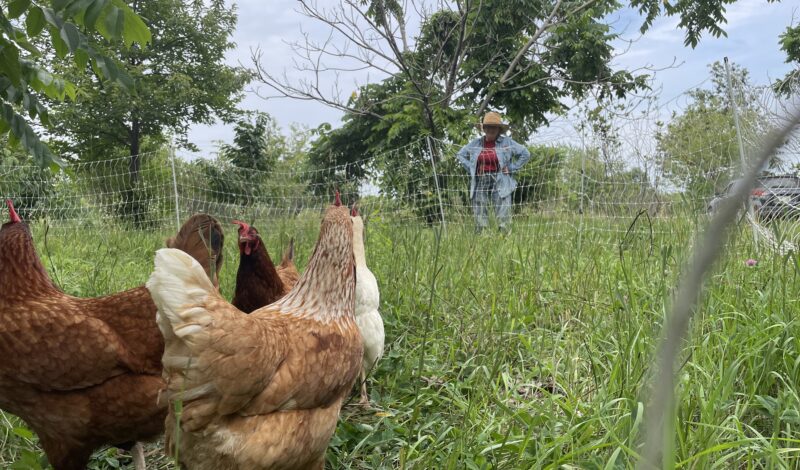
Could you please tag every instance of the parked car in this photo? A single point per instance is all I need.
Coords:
(781, 199)
(774, 196)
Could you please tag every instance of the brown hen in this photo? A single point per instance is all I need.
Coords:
(201, 236)
(258, 281)
(259, 391)
(81, 373)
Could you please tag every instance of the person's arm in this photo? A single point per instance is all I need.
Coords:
(463, 157)
(522, 156)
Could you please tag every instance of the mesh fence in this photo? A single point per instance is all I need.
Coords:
(577, 181)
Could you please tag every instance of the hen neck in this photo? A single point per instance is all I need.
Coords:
(326, 290)
(358, 247)
(259, 263)
(21, 269)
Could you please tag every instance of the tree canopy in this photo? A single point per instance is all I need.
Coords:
(698, 150)
(25, 77)
(181, 79)
(790, 44)
(696, 16)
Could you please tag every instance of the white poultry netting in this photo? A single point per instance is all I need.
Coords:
(559, 192)
(577, 182)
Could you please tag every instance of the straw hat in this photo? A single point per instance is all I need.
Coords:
(493, 119)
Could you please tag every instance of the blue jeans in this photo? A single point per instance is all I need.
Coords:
(485, 190)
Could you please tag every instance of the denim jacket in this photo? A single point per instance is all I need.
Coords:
(509, 154)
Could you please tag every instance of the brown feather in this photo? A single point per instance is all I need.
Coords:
(267, 387)
(201, 236)
(258, 281)
(81, 372)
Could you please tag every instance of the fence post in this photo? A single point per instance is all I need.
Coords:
(741, 148)
(582, 194)
(436, 181)
(174, 184)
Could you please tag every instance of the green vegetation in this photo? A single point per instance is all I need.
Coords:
(688, 154)
(529, 351)
(74, 27)
(180, 79)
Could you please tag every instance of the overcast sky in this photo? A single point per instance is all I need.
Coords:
(753, 31)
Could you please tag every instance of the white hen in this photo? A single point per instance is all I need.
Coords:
(368, 298)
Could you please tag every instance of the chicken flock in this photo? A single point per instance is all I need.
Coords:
(255, 383)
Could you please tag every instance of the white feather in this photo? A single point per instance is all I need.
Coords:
(368, 299)
(179, 287)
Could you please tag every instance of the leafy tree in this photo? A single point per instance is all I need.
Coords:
(256, 146)
(30, 186)
(242, 173)
(179, 80)
(698, 150)
(25, 77)
(790, 44)
(697, 16)
(459, 64)
(465, 58)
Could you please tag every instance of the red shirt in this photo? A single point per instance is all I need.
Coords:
(487, 160)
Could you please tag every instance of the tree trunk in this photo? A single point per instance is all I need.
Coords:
(135, 162)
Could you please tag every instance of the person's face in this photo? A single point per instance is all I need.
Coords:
(491, 132)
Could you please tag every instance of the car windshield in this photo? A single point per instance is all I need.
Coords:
(780, 182)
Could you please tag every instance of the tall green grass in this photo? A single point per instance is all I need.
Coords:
(525, 351)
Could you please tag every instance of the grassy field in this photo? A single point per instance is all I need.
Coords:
(525, 351)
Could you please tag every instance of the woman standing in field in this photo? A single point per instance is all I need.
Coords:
(491, 161)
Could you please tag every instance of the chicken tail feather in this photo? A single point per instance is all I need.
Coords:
(180, 288)
(288, 256)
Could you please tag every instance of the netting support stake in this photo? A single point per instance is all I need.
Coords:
(436, 182)
(582, 194)
(741, 149)
(174, 184)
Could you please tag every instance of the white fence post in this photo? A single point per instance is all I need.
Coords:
(436, 181)
(741, 149)
(174, 184)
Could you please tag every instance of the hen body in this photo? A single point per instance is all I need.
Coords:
(81, 372)
(258, 281)
(259, 391)
(287, 270)
(368, 299)
(201, 236)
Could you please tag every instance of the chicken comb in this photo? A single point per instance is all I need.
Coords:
(12, 213)
(354, 210)
(338, 201)
(242, 225)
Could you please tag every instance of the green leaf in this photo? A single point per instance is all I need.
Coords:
(17, 7)
(106, 67)
(53, 18)
(134, 29)
(23, 43)
(61, 47)
(22, 132)
(76, 7)
(114, 23)
(71, 36)
(9, 60)
(45, 77)
(93, 12)
(59, 5)
(70, 90)
(81, 59)
(34, 22)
